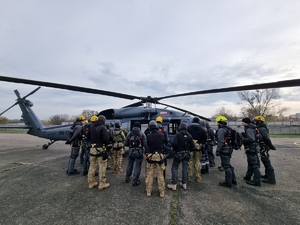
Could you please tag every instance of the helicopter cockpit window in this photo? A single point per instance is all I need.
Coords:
(173, 126)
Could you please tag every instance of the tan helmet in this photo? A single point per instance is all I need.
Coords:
(260, 118)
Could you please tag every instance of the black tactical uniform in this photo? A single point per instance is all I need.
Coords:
(75, 140)
(250, 143)
(224, 150)
(265, 145)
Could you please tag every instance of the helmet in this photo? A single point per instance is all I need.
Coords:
(102, 118)
(196, 119)
(159, 119)
(81, 118)
(152, 125)
(107, 124)
(117, 124)
(221, 120)
(261, 118)
(94, 118)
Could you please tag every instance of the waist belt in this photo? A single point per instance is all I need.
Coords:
(225, 154)
(136, 148)
(185, 151)
(251, 153)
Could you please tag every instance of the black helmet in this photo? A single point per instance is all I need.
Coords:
(152, 125)
(196, 119)
(117, 124)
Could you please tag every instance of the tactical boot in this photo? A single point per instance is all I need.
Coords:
(269, 181)
(162, 194)
(75, 172)
(247, 178)
(183, 186)
(172, 186)
(92, 185)
(103, 186)
(253, 183)
(190, 178)
(264, 176)
(198, 179)
(234, 182)
(225, 184)
(148, 194)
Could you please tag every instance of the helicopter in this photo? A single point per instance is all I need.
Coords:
(141, 111)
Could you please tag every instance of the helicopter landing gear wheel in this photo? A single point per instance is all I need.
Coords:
(45, 146)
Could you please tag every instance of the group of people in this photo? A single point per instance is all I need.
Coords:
(192, 147)
(256, 141)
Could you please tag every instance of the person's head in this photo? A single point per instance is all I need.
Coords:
(259, 119)
(182, 126)
(102, 118)
(246, 121)
(196, 119)
(80, 119)
(221, 120)
(153, 125)
(118, 124)
(137, 124)
(159, 119)
(94, 119)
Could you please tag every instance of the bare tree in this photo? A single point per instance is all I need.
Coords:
(89, 113)
(261, 101)
(58, 119)
(225, 112)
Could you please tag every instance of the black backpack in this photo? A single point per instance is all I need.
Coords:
(135, 141)
(234, 138)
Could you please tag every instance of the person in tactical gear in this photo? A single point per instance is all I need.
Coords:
(136, 141)
(161, 129)
(182, 144)
(204, 158)
(199, 136)
(99, 139)
(75, 140)
(251, 145)
(118, 148)
(265, 145)
(155, 159)
(85, 148)
(82, 145)
(224, 150)
(210, 144)
(109, 147)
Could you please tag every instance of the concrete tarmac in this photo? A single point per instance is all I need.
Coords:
(34, 189)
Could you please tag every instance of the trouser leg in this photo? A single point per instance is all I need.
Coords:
(72, 159)
(174, 169)
(225, 162)
(137, 169)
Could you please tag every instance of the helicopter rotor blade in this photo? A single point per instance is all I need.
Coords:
(68, 87)
(278, 84)
(183, 110)
(20, 98)
(136, 104)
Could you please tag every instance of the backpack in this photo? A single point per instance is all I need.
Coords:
(118, 136)
(135, 141)
(234, 138)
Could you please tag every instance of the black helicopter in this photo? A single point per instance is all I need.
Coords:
(141, 110)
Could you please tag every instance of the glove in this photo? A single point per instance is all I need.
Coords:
(68, 142)
(217, 153)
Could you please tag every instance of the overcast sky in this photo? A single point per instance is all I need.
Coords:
(143, 48)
